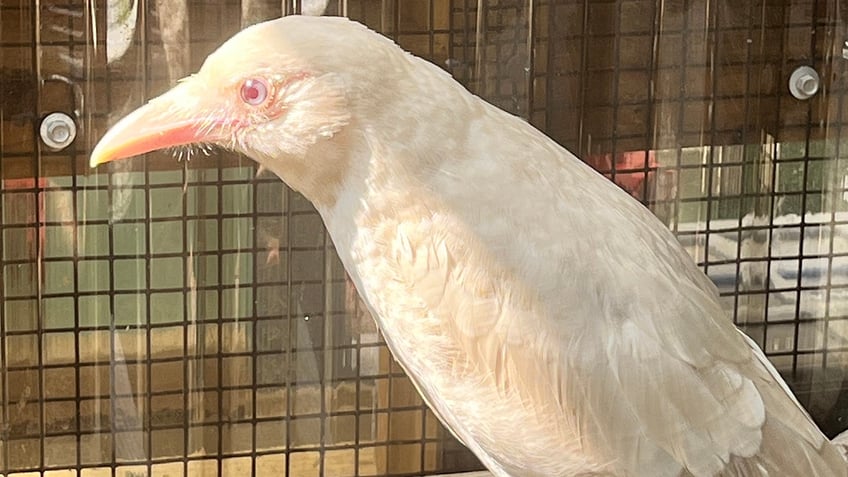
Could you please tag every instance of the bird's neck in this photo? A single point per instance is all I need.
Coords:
(321, 174)
(380, 178)
(390, 161)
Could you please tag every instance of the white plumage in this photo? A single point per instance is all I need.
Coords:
(549, 319)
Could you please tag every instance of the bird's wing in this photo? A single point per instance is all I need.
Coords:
(656, 382)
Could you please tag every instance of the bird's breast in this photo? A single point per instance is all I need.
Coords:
(449, 314)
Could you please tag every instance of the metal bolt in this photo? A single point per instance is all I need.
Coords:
(804, 82)
(58, 131)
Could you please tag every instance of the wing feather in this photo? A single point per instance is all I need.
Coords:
(682, 394)
(629, 352)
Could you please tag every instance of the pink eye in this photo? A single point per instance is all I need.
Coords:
(254, 91)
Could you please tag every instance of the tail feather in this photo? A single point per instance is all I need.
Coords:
(841, 444)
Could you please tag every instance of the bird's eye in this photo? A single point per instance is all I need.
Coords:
(254, 91)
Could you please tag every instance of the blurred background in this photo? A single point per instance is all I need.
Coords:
(187, 315)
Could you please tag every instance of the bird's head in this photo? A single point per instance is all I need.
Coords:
(282, 92)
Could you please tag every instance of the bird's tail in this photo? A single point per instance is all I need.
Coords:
(841, 444)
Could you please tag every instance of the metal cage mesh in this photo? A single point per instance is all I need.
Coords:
(191, 317)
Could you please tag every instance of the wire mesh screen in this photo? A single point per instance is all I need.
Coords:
(189, 316)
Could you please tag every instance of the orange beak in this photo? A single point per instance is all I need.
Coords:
(151, 127)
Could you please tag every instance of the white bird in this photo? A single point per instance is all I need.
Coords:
(553, 324)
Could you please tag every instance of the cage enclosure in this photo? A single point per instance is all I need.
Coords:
(189, 316)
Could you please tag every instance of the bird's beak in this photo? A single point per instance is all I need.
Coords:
(151, 127)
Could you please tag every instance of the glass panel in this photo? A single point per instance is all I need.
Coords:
(186, 313)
